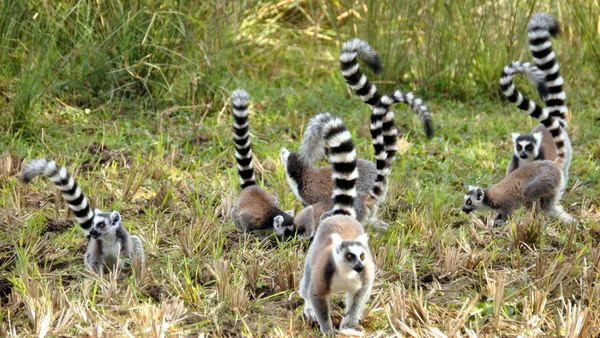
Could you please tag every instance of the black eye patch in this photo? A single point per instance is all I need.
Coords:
(101, 225)
(469, 202)
(350, 256)
(519, 148)
(529, 148)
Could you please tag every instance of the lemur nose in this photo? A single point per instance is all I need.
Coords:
(359, 267)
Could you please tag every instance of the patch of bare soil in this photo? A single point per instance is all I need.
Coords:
(59, 226)
(5, 290)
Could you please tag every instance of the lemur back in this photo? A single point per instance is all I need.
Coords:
(109, 241)
(254, 209)
(338, 259)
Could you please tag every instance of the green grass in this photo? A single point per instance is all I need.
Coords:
(155, 144)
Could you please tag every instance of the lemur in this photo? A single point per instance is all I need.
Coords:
(538, 145)
(338, 259)
(539, 182)
(254, 209)
(109, 241)
(364, 203)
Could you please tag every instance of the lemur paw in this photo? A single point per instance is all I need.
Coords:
(309, 313)
(349, 322)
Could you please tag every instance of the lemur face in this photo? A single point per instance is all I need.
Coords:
(284, 228)
(527, 146)
(105, 223)
(350, 255)
(473, 200)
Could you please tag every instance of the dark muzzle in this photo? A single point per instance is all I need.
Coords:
(466, 210)
(523, 155)
(359, 267)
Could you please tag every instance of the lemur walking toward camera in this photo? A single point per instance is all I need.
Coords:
(540, 182)
(539, 145)
(338, 259)
(254, 208)
(109, 241)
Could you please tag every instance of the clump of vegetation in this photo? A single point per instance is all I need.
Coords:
(133, 99)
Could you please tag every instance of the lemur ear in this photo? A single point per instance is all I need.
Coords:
(538, 137)
(284, 154)
(115, 218)
(337, 240)
(515, 136)
(278, 222)
(479, 194)
(363, 239)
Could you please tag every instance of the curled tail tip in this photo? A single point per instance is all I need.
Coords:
(35, 168)
(239, 99)
(363, 51)
(544, 21)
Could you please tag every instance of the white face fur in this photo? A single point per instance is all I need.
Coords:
(284, 154)
(105, 223)
(350, 255)
(473, 200)
(527, 146)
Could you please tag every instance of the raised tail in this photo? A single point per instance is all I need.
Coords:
(313, 145)
(358, 49)
(84, 215)
(342, 155)
(541, 27)
(535, 76)
(241, 137)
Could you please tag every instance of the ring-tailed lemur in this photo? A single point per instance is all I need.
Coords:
(338, 259)
(254, 209)
(539, 182)
(541, 27)
(315, 182)
(539, 144)
(108, 239)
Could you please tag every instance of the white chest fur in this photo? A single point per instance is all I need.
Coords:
(345, 281)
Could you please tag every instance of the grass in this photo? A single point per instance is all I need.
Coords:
(150, 136)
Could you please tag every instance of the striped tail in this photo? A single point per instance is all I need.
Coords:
(554, 124)
(342, 156)
(356, 49)
(535, 76)
(241, 137)
(84, 215)
(313, 145)
(541, 27)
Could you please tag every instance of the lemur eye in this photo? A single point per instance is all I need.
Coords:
(362, 256)
(529, 147)
(469, 202)
(349, 257)
(100, 225)
(519, 148)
